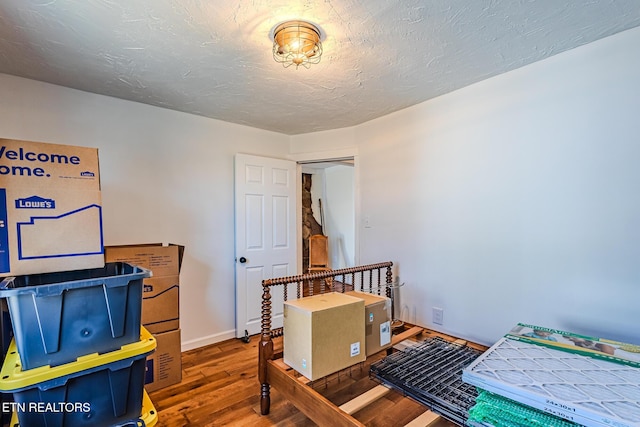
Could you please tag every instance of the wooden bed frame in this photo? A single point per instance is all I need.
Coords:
(272, 371)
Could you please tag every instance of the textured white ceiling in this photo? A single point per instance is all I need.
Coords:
(213, 58)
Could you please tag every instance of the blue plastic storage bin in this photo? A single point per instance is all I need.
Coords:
(58, 317)
(148, 418)
(95, 391)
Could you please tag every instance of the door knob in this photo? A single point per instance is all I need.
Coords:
(242, 260)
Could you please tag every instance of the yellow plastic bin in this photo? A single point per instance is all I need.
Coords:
(97, 390)
(149, 414)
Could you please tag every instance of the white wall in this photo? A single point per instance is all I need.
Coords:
(514, 199)
(166, 177)
(339, 212)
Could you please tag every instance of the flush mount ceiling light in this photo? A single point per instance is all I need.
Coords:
(297, 43)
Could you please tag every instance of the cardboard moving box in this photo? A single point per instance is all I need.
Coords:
(323, 334)
(161, 292)
(164, 366)
(377, 320)
(50, 208)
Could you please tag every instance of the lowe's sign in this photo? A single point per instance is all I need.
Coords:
(35, 202)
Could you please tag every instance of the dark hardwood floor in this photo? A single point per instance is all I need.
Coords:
(220, 388)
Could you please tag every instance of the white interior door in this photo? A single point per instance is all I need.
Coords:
(266, 235)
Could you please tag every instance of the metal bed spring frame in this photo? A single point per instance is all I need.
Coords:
(431, 373)
(327, 281)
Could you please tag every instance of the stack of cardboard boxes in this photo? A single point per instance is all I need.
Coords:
(160, 306)
(329, 332)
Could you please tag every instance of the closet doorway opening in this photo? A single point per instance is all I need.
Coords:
(329, 209)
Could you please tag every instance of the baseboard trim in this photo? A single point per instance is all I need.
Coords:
(208, 340)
